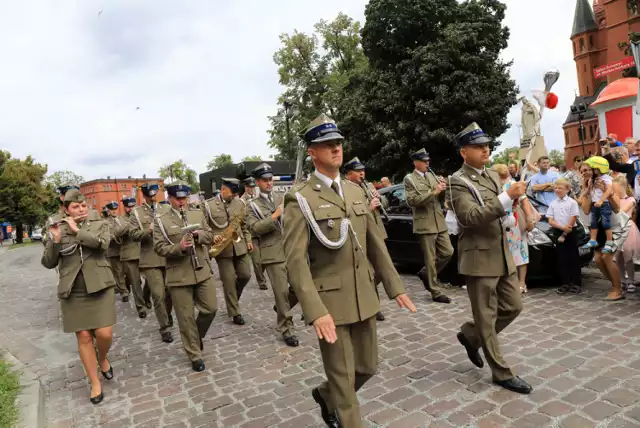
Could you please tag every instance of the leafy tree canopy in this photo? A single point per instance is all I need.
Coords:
(179, 170)
(219, 161)
(59, 178)
(255, 158)
(556, 157)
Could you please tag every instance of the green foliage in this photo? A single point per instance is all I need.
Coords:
(435, 67)
(179, 170)
(23, 194)
(315, 70)
(219, 161)
(556, 157)
(255, 158)
(9, 388)
(59, 178)
(503, 156)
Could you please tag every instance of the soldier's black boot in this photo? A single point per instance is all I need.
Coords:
(197, 365)
(291, 341)
(167, 337)
(238, 319)
(380, 316)
(441, 298)
(328, 417)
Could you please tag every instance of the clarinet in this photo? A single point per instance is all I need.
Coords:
(194, 257)
(369, 193)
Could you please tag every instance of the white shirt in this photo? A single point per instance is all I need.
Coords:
(422, 174)
(561, 210)
(267, 196)
(596, 194)
(327, 181)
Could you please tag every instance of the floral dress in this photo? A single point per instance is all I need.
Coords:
(517, 243)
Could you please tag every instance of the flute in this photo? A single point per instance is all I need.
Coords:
(64, 220)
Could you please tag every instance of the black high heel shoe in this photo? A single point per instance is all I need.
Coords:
(108, 375)
(97, 399)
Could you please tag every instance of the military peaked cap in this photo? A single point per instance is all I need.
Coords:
(420, 155)
(64, 188)
(322, 129)
(262, 171)
(249, 182)
(232, 183)
(112, 205)
(150, 189)
(178, 189)
(472, 135)
(74, 195)
(354, 165)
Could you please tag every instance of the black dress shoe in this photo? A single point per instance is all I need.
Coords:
(167, 337)
(170, 323)
(108, 375)
(275, 309)
(329, 418)
(515, 384)
(238, 320)
(291, 341)
(97, 399)
(197, 365)
(442, 299)
(263, 287)
(142, 314)
(125, 299)
(380, 316)
(473, 354)
(149, 305)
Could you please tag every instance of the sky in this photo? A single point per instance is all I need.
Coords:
(122, 87)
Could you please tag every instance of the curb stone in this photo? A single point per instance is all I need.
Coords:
(30, 399)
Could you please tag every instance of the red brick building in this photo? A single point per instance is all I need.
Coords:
(600, 36)
(99, 192)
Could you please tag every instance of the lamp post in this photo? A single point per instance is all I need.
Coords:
(580, 110)
(288, 112)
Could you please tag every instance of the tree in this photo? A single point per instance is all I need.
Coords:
(434, 67)
(315, 70)
(503, 156)
(179, 170)
(23, 192)
(255, 158)
(556, 157)
(219, 161)
(59, 178)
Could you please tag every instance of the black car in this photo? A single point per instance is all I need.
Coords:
(405, 250)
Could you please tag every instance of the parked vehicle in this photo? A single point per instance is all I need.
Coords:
(404, 248)
(36, 235)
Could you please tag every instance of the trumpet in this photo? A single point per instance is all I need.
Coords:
(189, 229)
(365, 186)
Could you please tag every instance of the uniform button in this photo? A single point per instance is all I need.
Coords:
(321, 287)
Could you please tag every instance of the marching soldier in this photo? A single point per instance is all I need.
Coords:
(226, 216)
(60, 214)
(264, 218)
(188, 275)
(113, 253)
(354, 171)
(130, 254)
(330, 239)
(152, 266)
(425, 193)
(258, 270)
(477, 200)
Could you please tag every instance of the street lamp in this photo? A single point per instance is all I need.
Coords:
(289, 111)
(580, 110)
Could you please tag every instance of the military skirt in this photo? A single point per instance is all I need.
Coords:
(83, 311)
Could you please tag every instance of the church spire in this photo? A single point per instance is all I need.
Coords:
(584, 20)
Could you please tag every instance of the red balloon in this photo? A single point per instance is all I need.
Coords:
(551, 100)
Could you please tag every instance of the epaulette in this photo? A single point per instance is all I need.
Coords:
(297, 187)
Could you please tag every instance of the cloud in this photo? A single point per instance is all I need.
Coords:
(201, 72)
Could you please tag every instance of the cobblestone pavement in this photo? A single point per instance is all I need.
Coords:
(581, 354)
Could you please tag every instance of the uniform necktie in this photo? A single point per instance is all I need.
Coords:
(336, 188)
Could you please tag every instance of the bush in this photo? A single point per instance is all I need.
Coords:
(9, 386)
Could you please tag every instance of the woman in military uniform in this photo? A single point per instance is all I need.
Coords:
(78, 248)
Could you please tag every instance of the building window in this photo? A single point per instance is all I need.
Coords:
(588, 92)
(574, 47)
(123, 186)
(582, 45)
(590, 42)
(633, 7)
(591, 132)
(566, 138)
(584, 68)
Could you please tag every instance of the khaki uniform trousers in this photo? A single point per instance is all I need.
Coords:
(284, 296)
(495, 303)
(118, 273)
(235, 273)
(258, 269)
(162, 304)
(348, 363)
(437, 251)
(132, 276)
(186, 299)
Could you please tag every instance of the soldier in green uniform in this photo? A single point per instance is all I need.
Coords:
(113, 253)
(264, 218)
(130, 254)
(258, 270)
(62, 190)
(152, 266)
(234, 263)
(330, 241)
(354, 171)
(78, 248)
(189, 275)
(425, 195)
(480, 205)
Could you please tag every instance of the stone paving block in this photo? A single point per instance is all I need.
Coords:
(600, 410)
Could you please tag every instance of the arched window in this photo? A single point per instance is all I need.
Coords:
(574, 47)
(590, 42)
(566, 138)
(582, 45)
(590, 132)
(588, 92)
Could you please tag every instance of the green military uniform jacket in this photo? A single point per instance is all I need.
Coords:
(148, 257)
(115, 233)
(218, 213)
(45, 230)
(376, 213)
(428, 217)
(269, 232)
(130, 248)
(167, 235)
(483, 250)
(90, 256)
(336, 281)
